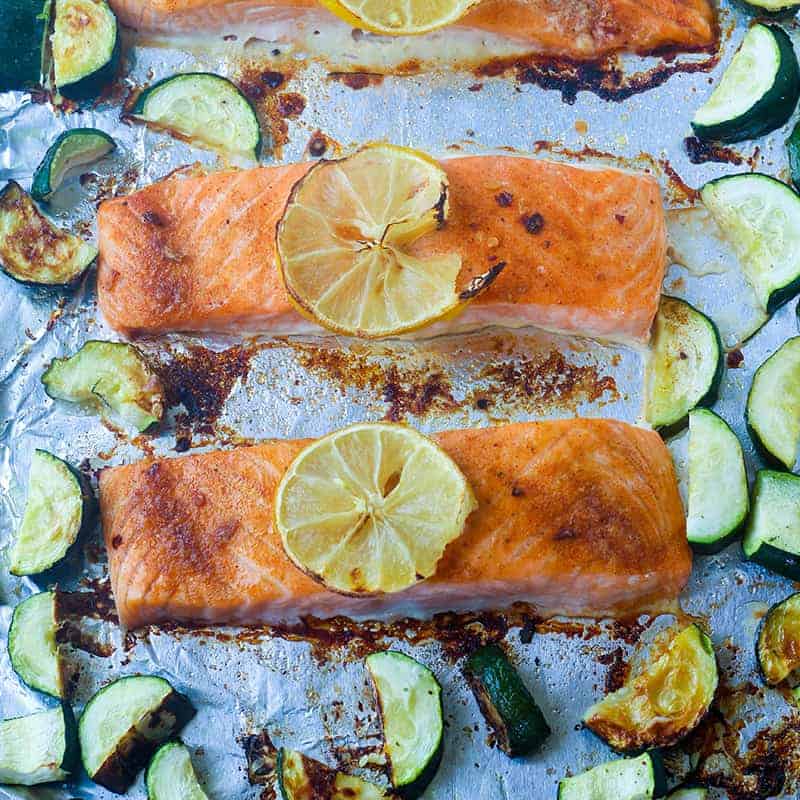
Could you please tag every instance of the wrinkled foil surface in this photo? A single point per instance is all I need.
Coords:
(311, 693)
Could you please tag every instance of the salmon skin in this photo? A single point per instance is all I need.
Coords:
(577, 29)
(584, 247)
(581, 517)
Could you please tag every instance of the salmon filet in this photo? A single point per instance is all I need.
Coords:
(584, 247)
(579, 516)
(578, 29)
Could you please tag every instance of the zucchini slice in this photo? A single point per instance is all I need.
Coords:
(59, 504)
(71, 149)
(32, 249)
(171, 776)
(758, 91)
(697, 793)
(769, 8)
(410, 702)
(124, 723)
(85, 47)
(303, 778)
(509, 708)
(685, 365)
(664, 700)
(772, 538)
(639, 778)
(778, 648)
(32, 647)
(205, 108)
(719, 497)
(38, 748)
(773, 404)
(22, 38)
(793, 154)
(760, 216)
(109, 377)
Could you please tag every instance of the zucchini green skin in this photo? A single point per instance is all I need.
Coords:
(506, 703)
(412, 788)
(33, 651)
(761, 402)
(793, 154)
(22, 43)
(90, 86)
(32, 268)
(709, 426)
(783, 562)
(752, 7)
(761, 643)
(88, 508)
(777, 296)
(771, 110)
(70, 755)
(43, 185)
(677, 419)
(575, 788)
(161, 785)
(132, 752)
(140, 107)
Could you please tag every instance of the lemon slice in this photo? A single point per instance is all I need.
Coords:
(399, 17)
(370, 509)
(342, 243)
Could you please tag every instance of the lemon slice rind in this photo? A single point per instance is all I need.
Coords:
(400, 17)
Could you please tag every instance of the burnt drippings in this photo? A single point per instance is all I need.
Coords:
(291, 104)
(618, 669)
(357, 80)
(262, 757)
(735, 358)
(72, 634)
(415, 397)
(543, 381)
(604, 77)
(95, 600)
(318, 144)
(700, 152)
(201, 380)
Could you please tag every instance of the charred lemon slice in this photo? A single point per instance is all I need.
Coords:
(370, 509)
(664, 700)
(342, 243)
(399, 17)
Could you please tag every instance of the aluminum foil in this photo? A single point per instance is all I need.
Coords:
(308, 690)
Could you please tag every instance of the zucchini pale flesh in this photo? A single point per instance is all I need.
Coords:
(124, 723)
(85, 47)
(205, 108)
(410, 701)
(663, 701)
(769, 8)
(303, 778)
(171, 776)
(22, 37)
(639, 778)
(110, 377)
(38, 748)
(718, 492)
(509, 708)
(32, 249)
(772, 537)
(758, 91)
(58, 506)
(773, 404)
(685, 365)
(73, 148)
(32, 647)
(779, 643)
(760, 217)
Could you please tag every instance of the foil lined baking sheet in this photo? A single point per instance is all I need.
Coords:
(307, 687)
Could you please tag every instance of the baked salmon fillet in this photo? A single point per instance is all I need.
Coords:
(579, 29)
(581, 517)
(585, 250)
